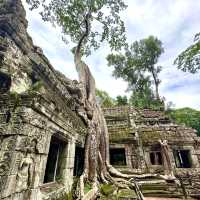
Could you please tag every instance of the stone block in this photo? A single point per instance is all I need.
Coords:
(69, 162)
(35, 194)
(5, 162)
(43, 162)
(16, 160)
(10, 186)
(67, 175)
(37, 172)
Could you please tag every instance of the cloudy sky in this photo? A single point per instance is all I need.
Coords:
(174, 22)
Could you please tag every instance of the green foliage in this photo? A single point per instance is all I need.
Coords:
(137, 65)
(71, 16)
(139, 58)
(121, 100)
(187, 116)
(104, 99)
(107, 189)
(87, 187)
(37, 86)
(144, 98)
(189, 60)
(67, 196)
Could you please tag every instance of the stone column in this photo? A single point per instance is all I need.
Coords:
(69, 165)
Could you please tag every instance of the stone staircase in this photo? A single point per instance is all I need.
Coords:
(160, 188)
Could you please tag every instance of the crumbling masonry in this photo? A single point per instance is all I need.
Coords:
(42, 137)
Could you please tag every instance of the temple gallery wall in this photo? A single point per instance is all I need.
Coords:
(42, 137)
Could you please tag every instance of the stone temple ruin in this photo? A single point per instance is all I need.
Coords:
(42, 137)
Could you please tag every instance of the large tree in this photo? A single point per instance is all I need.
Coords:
(121, 100)
(88, 23)
(142, 96)
(189, 59)
(137, 64)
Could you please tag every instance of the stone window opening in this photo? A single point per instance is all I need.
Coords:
(79, 161)
(117, 156)
(5, 82)
(156, 158)
(55, 160)
(182, 158)
(8, 116)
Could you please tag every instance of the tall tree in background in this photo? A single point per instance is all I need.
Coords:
(121, 100)
(142, 96)
(104, 99)
(138, 64)
(78, 19)
(189, 60)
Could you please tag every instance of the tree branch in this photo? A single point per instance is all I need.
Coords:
(84, 35)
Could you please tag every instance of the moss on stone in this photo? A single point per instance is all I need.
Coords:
(36, 87)
(107, 189)
(125, 193)
(87, 188)
(16, 98)
(67, 196)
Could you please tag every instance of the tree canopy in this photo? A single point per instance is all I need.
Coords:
(189, 60)
(103, 21)
(121, 100)
(143, 97)
(137, 66)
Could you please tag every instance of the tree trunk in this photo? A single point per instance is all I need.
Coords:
(96, 163)
(156, 82)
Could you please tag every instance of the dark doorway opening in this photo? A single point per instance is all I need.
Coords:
(182, 158)
(54, 160)
(5, 82)
(156, 158)
(79, 161)
(117, 156)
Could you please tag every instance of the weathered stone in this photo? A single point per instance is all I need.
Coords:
(39, 104)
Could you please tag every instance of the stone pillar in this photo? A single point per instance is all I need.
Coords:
(128, 152)
(69, 165)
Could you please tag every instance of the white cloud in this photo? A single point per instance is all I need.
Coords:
(173, 21)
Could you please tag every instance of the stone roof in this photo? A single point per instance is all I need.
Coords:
(125, 122)
(29, 71)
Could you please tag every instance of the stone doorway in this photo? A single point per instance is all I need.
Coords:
(117, 156)
(182, 158)
(55, 159)
(156, 158)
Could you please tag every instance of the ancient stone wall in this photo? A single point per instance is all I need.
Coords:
(139, 132)
(37, 103)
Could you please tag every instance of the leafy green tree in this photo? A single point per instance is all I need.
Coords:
(105, 99)
(142, 96)
(189, 60)
(121, 100)
(78, 20)
(138, 63)
(187, 116)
